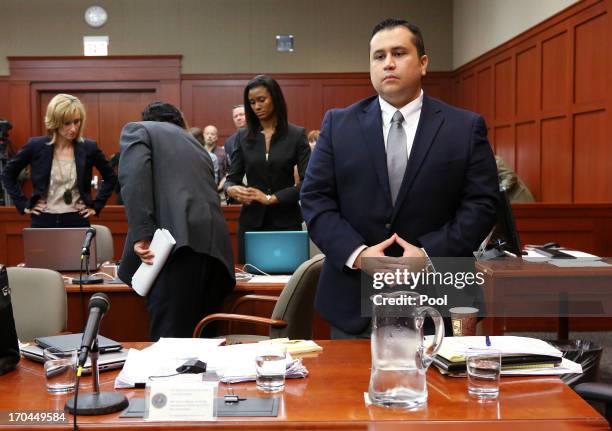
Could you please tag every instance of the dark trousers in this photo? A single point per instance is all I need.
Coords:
(191, 285)
(58, 220)
(242, 229)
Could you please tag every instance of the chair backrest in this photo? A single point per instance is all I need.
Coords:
(39, 302)
(295, 304)
(104, 243)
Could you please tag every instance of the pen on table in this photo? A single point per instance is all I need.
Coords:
(488, 341)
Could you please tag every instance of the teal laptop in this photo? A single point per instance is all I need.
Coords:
(275, 252)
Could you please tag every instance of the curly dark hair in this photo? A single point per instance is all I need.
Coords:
(163, 112)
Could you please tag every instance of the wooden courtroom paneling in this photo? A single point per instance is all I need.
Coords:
(208, 98)
(552, 102)
(114, 89)
(4, 98)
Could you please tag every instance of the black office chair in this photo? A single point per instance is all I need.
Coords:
(598, 392)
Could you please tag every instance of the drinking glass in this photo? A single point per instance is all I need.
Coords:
(483, 371)
(60, 369)
(271, 366)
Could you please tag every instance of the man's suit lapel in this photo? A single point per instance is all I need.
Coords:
(429, 123)
(370, 120)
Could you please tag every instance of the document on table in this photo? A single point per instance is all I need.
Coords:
(234, 363)
(162, 244)
(454, 348)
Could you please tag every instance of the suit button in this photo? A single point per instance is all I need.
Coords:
(388, 226)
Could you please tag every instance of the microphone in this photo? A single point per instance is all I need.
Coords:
(96, 402)
(91, 232)
(98, 306)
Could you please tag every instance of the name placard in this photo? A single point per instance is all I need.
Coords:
(180, 399)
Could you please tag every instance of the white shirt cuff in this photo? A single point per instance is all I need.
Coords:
(351, 259)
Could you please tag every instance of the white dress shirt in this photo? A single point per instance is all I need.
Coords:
(411, 113)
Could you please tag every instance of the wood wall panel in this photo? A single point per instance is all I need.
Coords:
(211, 103)
(556, 159)
(504, 144)
(552, 103)
(591, 69)
(527, 89)
(336, 95)
(504, 103)
(470, 92)
(485, 92)
(528, 156)
(4, 98)
(592, 158)
(555, 59)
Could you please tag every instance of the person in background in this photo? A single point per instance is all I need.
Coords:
(239, 120)
(167, 182)
(198, 133)
(211, 140)
(266, 151)
(516, 189)
(61, 166)
(313, 135)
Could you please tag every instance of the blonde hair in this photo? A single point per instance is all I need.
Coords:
(61, 109)
(313, 135)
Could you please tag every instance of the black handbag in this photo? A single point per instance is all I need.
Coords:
(9, 346)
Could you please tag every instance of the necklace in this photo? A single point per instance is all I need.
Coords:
(67, 195)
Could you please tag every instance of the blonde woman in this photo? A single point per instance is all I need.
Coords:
(61, 168)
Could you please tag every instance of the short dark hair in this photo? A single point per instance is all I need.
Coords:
(417, 36)
(280, 107)
(163, 112)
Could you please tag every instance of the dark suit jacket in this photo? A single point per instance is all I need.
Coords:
(39, 154)
(274, 176)
(446, 203)
(167, 181)
(229, 147)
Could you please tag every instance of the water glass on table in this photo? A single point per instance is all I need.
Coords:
(60, 370)
(270, 366)
(483, 373)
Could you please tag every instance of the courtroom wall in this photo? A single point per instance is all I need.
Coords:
(224, 36)
(546, 98)
(481, 25)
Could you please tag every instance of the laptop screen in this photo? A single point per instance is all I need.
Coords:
(56, 248)
(275, 252)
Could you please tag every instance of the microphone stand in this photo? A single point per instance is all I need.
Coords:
(87, 279)
(96, 403)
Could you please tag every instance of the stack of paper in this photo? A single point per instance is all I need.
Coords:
(162, 359)
(234, 363)
(520, 355)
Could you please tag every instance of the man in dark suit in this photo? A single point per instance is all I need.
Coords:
(167, 181)
(239, 120)
(398, 174)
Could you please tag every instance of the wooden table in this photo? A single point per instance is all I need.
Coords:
(331, 397)
(513, 285)
(128, 319)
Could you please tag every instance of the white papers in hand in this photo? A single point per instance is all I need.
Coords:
(161, 245)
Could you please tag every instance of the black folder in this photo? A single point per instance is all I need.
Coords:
(509, 361)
